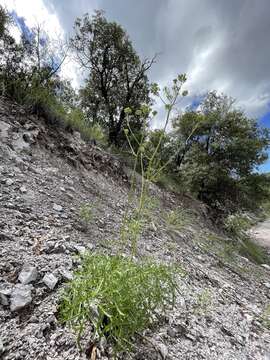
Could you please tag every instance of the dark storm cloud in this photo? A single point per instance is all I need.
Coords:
(221, 45)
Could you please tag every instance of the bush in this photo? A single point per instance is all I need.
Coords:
(76, 120)
(253, 251)
(86, 213)
(237, 225)
(178, 218)
(118, 296)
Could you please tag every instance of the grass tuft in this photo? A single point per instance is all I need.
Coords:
(117, 296)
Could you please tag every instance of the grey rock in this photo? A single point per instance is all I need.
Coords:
(23, 189)
(79, 248)
(50, 280)
(66, 274)
(172, 332)
(4, 296)
(163, 350)
(57, 207)
(28, 274)
(20, 297)
(1, 346)
(9, 182)
(266, 266)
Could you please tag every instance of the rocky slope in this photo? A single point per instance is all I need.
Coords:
(47, 175)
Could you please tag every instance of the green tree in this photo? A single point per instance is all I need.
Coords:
(117, 78)
(221, 149)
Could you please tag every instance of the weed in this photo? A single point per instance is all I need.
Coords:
(237, 224)
(265, 317)
(76, 120)
(178, 218)
(253, 251)
(204, 302)
(123, 293)
(86, 213)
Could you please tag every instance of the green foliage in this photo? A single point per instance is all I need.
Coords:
(237, 225)
(254, 252)
(178, 218)
(204, 302)
(76, 120)
(117, 77)
(265, 317)
(86, 213)
(4, 21)
(220, 149)
(118, 296)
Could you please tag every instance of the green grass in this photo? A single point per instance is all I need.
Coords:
(265, 317)
(117, 296)
(178, 218)
(253, 251)
(86, 213)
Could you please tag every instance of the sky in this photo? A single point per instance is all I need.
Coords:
(221, 45)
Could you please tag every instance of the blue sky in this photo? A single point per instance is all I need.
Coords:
(265, 122)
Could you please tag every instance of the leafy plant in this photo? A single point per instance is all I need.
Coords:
(237, 224)
(177, 218)
(76, 120)
(86, 213)
(204, 302)
(117, 296)
(254, 252)
(265, 317)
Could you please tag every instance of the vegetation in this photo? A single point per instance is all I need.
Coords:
(117, 296)
(117, 77)
(265, 317)
(212, 153)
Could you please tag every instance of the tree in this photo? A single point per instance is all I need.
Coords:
(29, 68)
(218, 159)
(117, 78)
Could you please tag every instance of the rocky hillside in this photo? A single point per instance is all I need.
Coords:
(47, 176)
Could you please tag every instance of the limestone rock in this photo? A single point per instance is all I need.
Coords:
(20, 297)
(50, 280)
(57, 207)
(28, 274)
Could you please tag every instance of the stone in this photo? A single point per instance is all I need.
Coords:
(1, 346)
(66, 274)
(9, 182)
(28, 274)
(20, 297)
(171, 332)
(79, 248)
(4, 296)
(163, 350)
(58, 208)
(266, 266)
(23, 189)
(50, 280)
(267, 284)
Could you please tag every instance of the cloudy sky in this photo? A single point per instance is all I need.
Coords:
(222, 45)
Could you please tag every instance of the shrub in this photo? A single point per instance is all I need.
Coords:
(86, 213)
(76, 120)
(237, 225)
(253, 251)
(126, 294)
(178, 218)
(265, 317)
